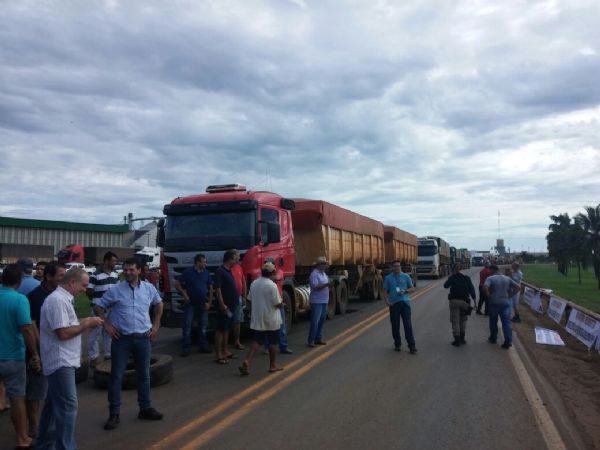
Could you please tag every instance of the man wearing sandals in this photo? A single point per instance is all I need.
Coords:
(265, 319)
(227, 295)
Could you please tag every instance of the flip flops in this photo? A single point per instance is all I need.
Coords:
(276, 369)
(222, 361)
(244, 369)
(232, 356)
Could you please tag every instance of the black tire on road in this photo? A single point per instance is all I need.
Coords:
(82, 373)
(161, 372)
(342, 298)
(331, 306)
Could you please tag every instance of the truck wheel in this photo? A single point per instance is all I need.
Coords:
(332, 304)
(161, 372)
(342, 295)
(289, 310)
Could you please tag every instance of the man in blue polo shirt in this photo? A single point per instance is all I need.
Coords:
(396, 287)
(195, 286)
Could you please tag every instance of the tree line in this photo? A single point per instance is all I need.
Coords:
(576, 241)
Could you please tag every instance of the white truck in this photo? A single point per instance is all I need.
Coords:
(433, 257)
(151, 255)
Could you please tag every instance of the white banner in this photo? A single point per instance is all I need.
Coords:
(547, 337)
(528, 295)
(583, 327)
(556, 308)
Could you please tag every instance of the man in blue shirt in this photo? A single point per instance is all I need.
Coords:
(15, 325)
(195, 286)
(319, 299)
(396, 287)
(28, 283)
(131, 330)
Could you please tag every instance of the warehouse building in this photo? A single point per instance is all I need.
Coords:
(36, 237)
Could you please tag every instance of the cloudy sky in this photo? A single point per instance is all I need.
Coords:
(429, 115)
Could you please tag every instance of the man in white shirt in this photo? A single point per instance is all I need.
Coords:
(60, 343)
(265, 318)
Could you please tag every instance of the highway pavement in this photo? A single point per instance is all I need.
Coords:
(354, 393)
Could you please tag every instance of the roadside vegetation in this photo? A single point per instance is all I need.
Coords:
(567, 285)
(575, 242)
(82, 306)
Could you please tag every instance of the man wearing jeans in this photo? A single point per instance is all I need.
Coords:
(319, 298)
(195, 286)
(60, 344)
(396, 287)
(499, 289)
(131, 331)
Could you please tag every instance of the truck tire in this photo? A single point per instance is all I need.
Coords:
(289, 310)
(369, 291)
(161, 372)
(331, 306)
(342, 298)
(82, 373)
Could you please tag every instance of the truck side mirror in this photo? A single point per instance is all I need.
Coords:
(160, 233)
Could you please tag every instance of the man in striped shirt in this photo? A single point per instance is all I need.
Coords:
(100, 282)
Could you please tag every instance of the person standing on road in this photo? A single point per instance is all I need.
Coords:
(131, 330)
(396, 287)
(195, 286)
(283, 340)
(238, 313)
(517, 277)
(60, 344)
(318, 298)
(39, 270)
(483, 274)
(499, 289)
(101, 282)
(461, 288)
(36, 381)
(28, 283)
(16, 332)
(265, 319)
(228, 296)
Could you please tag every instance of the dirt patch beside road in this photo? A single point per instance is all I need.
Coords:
(572, 371)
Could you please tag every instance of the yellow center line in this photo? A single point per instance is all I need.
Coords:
(337, 343)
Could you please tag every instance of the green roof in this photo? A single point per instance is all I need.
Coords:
(60, 225)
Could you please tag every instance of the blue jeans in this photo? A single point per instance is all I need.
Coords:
(318, 314)
(57, 424)
(189, 313)
(504, 311)
(397, 310)
(283, 342)
(121, 349)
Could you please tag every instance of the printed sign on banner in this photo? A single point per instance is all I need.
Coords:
(598, 344)
(547, 337)
(556, 308)
(583, 327)
(528, 295)
(536, 303)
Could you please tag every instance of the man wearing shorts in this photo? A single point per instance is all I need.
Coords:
(15, 324)
(227, 296)
(265, 319)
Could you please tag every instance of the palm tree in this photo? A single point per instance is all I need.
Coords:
(590, 222)
(558, 241)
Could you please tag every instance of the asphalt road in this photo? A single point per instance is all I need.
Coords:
(354, 393)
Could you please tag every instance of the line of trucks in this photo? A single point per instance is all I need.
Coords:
(292, 233)
(90, 257)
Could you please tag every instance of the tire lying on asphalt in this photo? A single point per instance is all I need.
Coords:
(83, 372)
(161, 372)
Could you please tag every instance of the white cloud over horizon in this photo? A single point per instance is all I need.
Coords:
(430, 116)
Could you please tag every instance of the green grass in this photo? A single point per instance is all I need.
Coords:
(585, 294)
(82, 306)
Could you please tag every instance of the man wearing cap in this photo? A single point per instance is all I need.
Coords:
(265, 318)
(28, 283)
(319, 298)
(396, 287)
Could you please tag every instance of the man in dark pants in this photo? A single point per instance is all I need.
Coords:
(131, 330)
(483, 274)
(396, 287)
(227, 295)
(500, 289)
(460, 288)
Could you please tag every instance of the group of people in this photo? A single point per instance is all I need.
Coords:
(40, 344)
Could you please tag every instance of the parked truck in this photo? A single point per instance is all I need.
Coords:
(434, 258)
(10, 253)
(151, 256)
(264, 225)
(91, 256)
(465, 259)
(401, 245)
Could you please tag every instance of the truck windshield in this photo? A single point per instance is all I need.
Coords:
(212, 231)
(427, 250)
